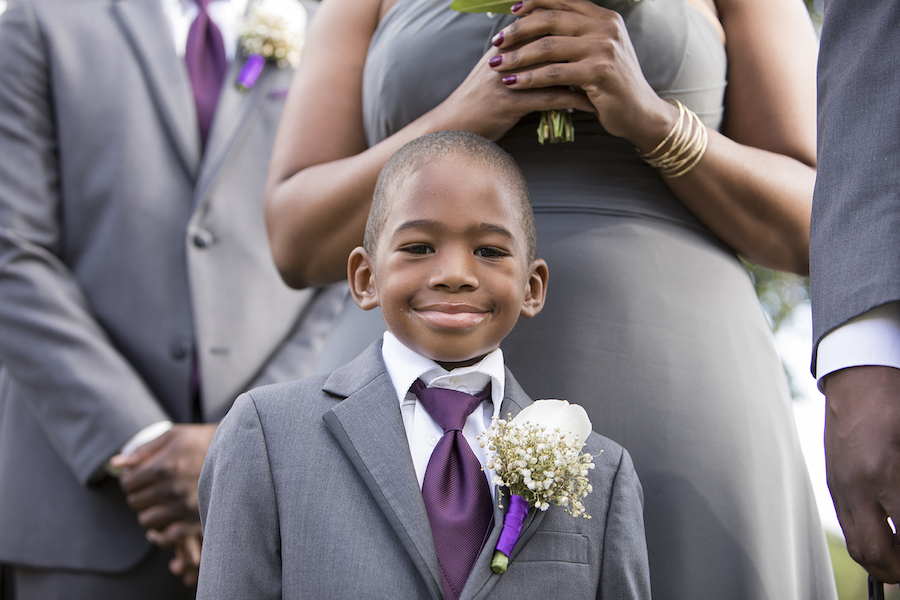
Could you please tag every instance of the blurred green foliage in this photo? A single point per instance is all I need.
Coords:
(778, 292)
(815, 8)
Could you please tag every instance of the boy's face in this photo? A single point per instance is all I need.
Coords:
(451, 270)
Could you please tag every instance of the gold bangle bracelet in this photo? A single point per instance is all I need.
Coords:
(687, 143)
(676, 128)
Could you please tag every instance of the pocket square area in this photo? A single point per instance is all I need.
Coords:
(555, 546)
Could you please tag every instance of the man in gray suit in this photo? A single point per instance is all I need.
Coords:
(855, 273)
(136, 286)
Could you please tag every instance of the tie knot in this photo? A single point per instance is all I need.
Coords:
(449, 408)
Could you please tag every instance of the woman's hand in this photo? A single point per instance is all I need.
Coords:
(577, 43)
(485, 105)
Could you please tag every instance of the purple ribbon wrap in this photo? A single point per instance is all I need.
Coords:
(512, 524)
(250, 73)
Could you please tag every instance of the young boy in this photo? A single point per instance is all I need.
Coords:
(323, 488)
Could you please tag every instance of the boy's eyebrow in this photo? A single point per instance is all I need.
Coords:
(431, 225)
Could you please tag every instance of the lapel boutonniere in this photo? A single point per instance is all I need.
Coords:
(273, 30)
(556, 125)
(538, 457)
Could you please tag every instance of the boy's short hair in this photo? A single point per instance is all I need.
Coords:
(433, 146)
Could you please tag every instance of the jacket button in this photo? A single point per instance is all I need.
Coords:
(179, 350)
(203, 238)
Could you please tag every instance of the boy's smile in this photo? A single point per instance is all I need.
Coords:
(451, 270)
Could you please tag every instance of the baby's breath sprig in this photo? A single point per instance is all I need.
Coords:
(544, 466)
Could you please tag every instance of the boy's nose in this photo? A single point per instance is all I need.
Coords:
(454, 270)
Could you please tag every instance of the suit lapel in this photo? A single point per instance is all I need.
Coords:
(369, 427)
(146, 28)
(482, 580)
(235, 113)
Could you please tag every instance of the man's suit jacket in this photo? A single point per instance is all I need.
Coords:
(125, 255)
(309, 491)
(855, 234)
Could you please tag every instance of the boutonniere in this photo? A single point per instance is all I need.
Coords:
(556, 125)
(273, 30)
(538, 457)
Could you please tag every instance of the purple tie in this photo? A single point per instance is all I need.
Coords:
(455, 490)
(206, 65)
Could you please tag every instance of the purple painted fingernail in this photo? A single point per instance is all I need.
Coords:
(497, 39)
(516, 7)
(495, 60)
(510, 79)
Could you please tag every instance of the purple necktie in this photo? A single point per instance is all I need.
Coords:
(206, 65)
(457, 497)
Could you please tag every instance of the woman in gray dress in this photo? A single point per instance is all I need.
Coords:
(651, 322)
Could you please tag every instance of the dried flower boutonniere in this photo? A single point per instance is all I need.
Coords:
(556, 125)
(273, 30)
(537, 456)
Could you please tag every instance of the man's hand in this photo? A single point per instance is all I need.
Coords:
(160, 481)
(862, 455)
(186, 563)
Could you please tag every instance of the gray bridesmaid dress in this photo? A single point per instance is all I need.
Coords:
(651, 322)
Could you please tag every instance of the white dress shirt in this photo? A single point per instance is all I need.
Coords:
(872, 338)
(422, 433)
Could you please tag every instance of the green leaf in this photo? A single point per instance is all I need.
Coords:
(482, 6)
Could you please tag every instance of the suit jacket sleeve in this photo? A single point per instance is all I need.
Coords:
(88, 398)
(855, 234)
(241, 548)
(624, 570)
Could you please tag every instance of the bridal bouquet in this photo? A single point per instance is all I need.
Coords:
(273, 30)
(556, 125)
(538, 457)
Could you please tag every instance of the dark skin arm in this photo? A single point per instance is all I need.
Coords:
(318, 194)
(862, 458)
(754, 186)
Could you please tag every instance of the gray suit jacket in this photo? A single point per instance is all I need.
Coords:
(309, 491)
(123, 253)
(855, 234)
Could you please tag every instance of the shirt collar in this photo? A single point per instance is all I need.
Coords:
(404, 366)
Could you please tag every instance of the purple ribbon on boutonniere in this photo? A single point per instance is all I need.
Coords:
(509, 535)
(250, 73)
(272, 30)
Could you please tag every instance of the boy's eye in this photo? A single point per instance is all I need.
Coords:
(490, 253)
(418, 249)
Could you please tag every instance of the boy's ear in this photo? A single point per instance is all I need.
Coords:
(536, 289)
(361, 276)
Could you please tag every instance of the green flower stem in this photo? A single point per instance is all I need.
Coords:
(500, 562)
(556, 126)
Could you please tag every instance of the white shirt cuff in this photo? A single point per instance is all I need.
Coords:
(144, 436)
(872, 338)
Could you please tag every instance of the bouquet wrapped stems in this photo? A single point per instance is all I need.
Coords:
(556, 126)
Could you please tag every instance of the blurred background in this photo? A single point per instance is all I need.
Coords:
(785, 300)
